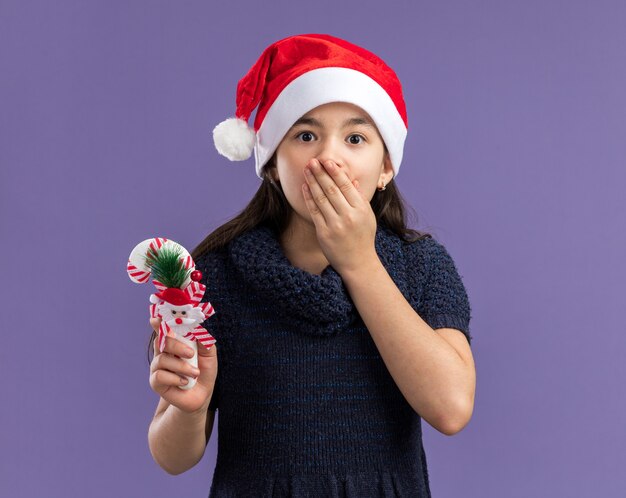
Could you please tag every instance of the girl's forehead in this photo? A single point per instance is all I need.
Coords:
(345, 116)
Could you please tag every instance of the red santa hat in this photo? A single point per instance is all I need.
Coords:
(174, 296)
(299, 73)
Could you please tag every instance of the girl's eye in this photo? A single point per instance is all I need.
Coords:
(310, 135)
(357, 136)
(305, 133)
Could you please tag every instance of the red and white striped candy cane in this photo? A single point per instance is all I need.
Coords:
(139, 273)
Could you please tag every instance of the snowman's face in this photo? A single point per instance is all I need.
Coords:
(176, 316)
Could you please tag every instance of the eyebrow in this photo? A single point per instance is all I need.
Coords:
(348, 122)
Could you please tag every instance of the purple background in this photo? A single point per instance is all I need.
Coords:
(515, 160)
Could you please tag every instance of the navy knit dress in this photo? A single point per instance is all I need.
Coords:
(307, 407)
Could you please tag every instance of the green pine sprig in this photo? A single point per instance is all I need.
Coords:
(166, 266)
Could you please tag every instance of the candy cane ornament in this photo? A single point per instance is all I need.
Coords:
(179, 292)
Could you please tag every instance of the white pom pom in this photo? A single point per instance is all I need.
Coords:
(234, 139)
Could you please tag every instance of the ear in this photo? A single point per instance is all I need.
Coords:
(386, 175)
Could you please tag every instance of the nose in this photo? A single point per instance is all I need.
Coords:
(331, 150)
(179, 321)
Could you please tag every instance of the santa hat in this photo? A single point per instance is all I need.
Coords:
(174, 296)
(299, 73)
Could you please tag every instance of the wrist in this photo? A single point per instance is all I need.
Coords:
(192, 416)
(363, 269)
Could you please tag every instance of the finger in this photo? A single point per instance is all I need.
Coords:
(175, 365)
(320, 201)
(178, 348)
(155, 323)
(162, 380)
(206, 359)
(327, 194)
(314, 210)
(207, 351)
(338, 186)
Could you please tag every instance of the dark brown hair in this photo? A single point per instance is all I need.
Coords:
(270, 207)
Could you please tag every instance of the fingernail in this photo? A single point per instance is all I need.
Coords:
(195, 371)
(183, 380)
(190, 352)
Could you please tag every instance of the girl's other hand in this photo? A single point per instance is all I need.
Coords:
(345, 223)
(168, 370)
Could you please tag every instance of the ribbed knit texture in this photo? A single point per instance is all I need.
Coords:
(306, 405)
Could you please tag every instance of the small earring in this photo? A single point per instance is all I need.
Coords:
(383, 188)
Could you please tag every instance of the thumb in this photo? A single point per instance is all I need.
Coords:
(155, 323)
(203, 351)
(207, 363)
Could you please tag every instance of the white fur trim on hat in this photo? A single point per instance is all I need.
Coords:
(324, 85)
(234, 139)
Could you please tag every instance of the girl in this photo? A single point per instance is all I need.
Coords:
(339, 328)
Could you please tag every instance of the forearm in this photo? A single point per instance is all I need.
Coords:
(177, 439)
(431, 375)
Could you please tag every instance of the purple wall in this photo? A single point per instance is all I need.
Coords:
(515, 160)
